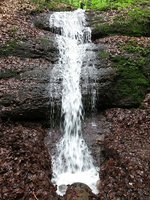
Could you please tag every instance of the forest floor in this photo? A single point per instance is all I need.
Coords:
(125, 172)
(25, 170)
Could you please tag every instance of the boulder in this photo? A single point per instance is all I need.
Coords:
(79, 191)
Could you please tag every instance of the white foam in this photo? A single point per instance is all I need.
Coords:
(72, 161)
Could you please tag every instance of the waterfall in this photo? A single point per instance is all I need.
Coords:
(72, 161)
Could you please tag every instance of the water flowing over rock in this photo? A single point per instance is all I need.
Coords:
(25, 93)
(72, 161)
(28, 97)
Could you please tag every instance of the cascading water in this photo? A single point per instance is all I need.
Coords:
(72, 161)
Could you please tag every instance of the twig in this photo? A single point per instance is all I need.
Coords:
(35, 196)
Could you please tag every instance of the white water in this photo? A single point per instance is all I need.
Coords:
(72, 161)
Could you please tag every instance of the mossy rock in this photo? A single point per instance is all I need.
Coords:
(8, 73)
(135, 22)
(131, 83)
(9, 47)
(42, 47)
(132, 80)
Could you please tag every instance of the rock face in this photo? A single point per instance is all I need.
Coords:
(43, 46)
(26, 89)
(32, 90)
(110, 22)
(25, 98)
(26, 92)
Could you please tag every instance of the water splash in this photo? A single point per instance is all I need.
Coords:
(72, 161)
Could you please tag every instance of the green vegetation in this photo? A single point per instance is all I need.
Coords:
(133, 47)
(133, 72)
(115, 4)
(103, 54)
(9, 47)
(135, 22)
(89, 4)
(8, 73)
(132, 16)
(110, 4)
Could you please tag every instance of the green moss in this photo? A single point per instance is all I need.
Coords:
(89, 4)
(103, 54)
(131, 82)
(117, 4)
(133, 73)
(9, 47)
(134, 22)
(8, 73)
(140, 54)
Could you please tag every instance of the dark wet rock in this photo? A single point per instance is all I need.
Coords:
(40, 47)
(26, 97)
(96, 79)
(41, 21)
(79, 191)
(96, 20)
(24, 93)
(94, 131)
(34, 92)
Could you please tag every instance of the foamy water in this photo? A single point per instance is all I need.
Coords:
(72, 161)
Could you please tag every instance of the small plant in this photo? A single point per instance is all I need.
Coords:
(103, 54)
(9, 47)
